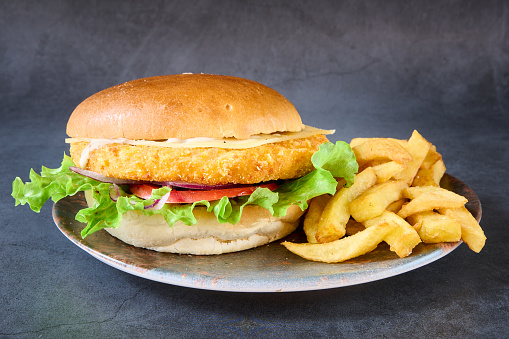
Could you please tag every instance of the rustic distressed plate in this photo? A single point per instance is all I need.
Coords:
(269, 268)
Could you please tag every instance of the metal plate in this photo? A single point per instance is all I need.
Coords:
(269, 268)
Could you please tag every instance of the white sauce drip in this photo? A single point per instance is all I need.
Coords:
(189, 141)
(95, 144)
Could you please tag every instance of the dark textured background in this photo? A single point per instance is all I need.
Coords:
(366, 68)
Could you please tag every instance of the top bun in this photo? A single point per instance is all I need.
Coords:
(184, 106)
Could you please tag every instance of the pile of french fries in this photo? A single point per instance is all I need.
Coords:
(396, 198)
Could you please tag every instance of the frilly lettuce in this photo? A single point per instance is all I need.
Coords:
(330, 161)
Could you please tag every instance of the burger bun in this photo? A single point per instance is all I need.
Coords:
(256, 227)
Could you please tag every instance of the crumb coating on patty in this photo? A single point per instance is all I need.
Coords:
(211, 166)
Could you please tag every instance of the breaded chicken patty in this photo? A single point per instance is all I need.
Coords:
(211, 166)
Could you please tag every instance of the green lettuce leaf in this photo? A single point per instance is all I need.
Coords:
(338, 159)
(330, 161)
(52, 183)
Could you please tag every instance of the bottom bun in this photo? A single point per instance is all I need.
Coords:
(256, 227)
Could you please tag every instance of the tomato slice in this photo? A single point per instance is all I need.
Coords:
(144, 191)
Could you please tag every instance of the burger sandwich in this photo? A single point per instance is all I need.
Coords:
(191, 163)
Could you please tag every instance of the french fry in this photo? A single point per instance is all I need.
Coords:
(357, 141)
(337, 211)
(424, 177)
(403, 239)
(414, 192)
(343, 249)
(375, 200)
(395, 206)
(379, 148)
(399, 141)
(438, 170)
(373, 163)
(471, 232)
(387, 170)
(435, 228)
(313, 215)
(428, 198)
(418, 148)
(430, 176)
(431, 158)
(431, 171)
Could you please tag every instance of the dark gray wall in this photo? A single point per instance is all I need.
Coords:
(331, 58)
(365, 68)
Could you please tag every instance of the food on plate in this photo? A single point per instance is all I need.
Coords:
(395, 206)
(431, 171)
(471, 232)
(429, 198)
(313, 215)
(375, 149)
(191, 163)
(403, 240)
(374, 201)
(418, 148)
(434, 227)
(209, 164)
(403, 205)
(387, 170)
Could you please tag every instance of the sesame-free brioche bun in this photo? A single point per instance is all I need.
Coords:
(257, 227)
(188, 106)
(184, 106)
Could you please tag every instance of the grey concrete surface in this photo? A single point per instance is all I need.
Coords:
(365, 68)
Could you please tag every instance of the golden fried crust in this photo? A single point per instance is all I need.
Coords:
(211, 166)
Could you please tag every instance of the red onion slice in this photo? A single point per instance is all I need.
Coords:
(114, 196)
(158, 203)
(197, 186)
(182, 184)
(100, 177)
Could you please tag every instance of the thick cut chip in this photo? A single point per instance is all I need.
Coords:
(435, 228)
(431, 158)
(387, 170)
(375, 200)
(471, 232)
(403, 239)
(337, 211)
(428, 198)
(380, 148)
(343, 249)
(431, 171)
(414, 192)
(313, 215)
(418, 148)
(357, 141)
(396, 205)
(438, 170)
(430, 176)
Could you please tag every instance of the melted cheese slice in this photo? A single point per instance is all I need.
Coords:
(229, 143)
